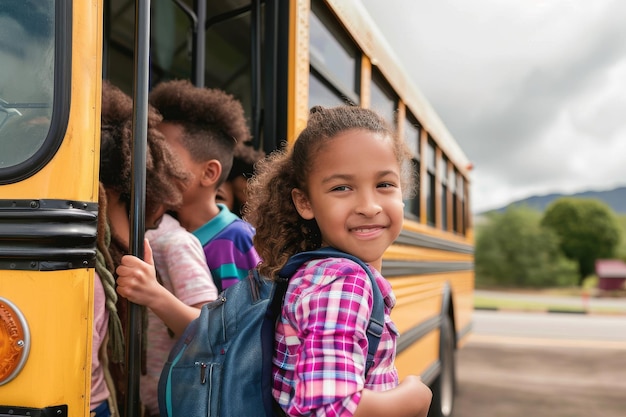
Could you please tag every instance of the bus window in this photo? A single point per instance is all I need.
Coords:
(430, 182)
(382, 99)
(460, 189)
(412, 139)
(452, 173)
(320, 94)
(26, 86)
(334, 63)
(443, 175)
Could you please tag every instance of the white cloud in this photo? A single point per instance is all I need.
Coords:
(600, 111)
(534, 91)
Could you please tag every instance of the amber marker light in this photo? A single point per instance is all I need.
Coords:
(14, 341)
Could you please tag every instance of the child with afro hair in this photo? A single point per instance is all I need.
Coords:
(203, 126)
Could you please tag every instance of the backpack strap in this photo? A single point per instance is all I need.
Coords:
(268, 331)
(377, 320)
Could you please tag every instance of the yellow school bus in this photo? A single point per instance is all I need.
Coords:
(279, 58)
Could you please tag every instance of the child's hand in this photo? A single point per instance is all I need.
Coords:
(417, 393)
(409, 399)
(136, 279)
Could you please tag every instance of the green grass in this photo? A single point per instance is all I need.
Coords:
(487, 303)
(491, 303)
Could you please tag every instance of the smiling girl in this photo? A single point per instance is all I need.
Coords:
(340, 186)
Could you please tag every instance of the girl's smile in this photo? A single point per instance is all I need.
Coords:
(367, 232)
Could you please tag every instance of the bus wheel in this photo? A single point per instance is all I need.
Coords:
(443, 387)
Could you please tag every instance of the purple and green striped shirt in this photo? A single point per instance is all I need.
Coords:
(227, 243)
(321, 340)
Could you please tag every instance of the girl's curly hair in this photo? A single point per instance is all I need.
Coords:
(213, 120)
(280, 231)
(165, 177)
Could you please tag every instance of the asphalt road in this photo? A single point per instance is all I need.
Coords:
(541, 374)
(578, 329)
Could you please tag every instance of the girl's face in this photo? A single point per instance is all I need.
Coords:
(355, 195)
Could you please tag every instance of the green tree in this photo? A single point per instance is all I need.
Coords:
(587, 228)
(512, 249)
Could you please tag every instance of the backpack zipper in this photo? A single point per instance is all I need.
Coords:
(203, 367)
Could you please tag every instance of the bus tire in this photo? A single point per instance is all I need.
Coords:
(443, 388)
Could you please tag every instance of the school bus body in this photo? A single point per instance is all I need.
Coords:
(40, 215)
(279, 57)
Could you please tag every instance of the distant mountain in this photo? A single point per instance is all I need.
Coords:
(616, 199)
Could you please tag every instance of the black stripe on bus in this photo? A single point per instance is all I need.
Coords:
(416, 239)
(393, 268)
(47, 235)
(416, 333)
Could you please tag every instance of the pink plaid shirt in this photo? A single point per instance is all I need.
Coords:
(321, 340)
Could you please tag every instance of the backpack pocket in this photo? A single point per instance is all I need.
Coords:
(196, 390)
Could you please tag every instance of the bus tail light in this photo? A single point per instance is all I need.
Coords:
(14, 341)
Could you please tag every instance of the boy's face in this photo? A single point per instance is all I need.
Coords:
(240, 188)
(225, 195)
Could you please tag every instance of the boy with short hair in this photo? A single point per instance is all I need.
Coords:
(202, 127)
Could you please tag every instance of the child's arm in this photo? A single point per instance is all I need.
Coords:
(138, 283)
(409, 399)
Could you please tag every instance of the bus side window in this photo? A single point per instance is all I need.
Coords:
(26, 79)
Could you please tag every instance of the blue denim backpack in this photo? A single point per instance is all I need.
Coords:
(222, 364)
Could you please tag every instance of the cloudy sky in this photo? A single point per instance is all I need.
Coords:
(534, 91)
